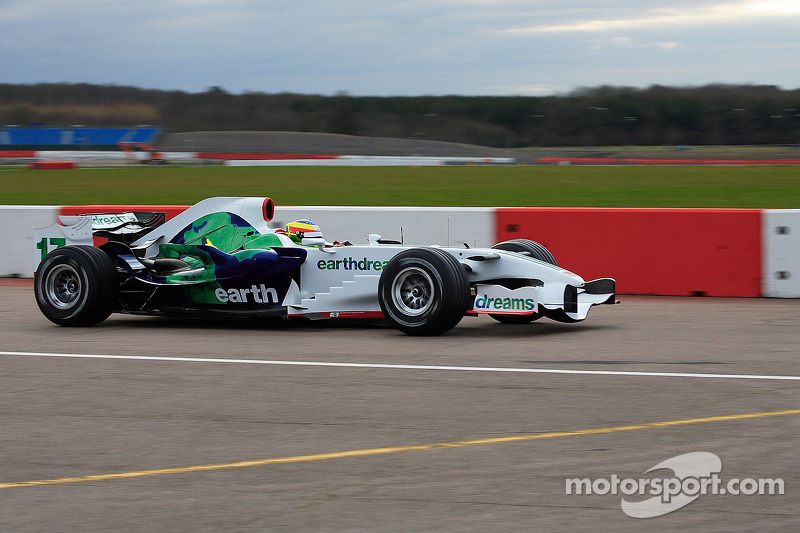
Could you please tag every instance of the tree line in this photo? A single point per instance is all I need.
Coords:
(593, 116)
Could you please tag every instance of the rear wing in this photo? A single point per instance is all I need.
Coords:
(123, 227)
(84, 229)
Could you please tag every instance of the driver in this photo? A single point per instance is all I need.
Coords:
(308, 233)
(305, 230)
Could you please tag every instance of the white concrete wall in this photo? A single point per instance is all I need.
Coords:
(420, 225)
(16, 243)
(781, 253)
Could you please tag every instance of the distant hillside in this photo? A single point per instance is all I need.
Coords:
(602, 116)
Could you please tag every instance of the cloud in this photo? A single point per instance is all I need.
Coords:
(629, 42)
(660, 17)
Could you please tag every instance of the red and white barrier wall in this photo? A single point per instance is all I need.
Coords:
(714, 252)
(683, 252)
(47, 159)
(90, 157)
(566, 160)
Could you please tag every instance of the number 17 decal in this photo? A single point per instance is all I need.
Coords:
(55, 242)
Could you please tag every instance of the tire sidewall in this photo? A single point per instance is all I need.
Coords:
(46, 268)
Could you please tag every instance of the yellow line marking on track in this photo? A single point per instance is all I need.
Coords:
(395, 449)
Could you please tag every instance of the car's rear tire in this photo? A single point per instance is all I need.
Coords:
(424, 291)
(76, 286)
(532, 249)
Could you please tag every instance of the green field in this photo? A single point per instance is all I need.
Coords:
(685, 186)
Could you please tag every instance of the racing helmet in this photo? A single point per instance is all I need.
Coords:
(304, 229)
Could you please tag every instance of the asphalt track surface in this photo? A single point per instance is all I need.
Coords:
(187, 425)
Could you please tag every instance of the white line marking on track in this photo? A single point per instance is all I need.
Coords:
(390, 366)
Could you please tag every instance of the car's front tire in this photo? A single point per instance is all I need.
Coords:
(528, 247)
(76, 286)
(424, 291)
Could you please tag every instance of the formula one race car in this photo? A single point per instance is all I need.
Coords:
(221, 258)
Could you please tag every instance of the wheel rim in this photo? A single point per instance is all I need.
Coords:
(63, 286)
(412, 291)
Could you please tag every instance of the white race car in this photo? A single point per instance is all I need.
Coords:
(220, 257)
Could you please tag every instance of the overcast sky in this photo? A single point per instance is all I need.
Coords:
(400, 47)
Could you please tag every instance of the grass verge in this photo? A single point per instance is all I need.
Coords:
(613, 186)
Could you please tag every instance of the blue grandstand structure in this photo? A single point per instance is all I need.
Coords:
(74, 138)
